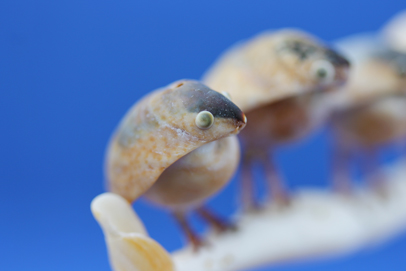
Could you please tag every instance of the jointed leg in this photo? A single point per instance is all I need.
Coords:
(190, 234)
(373, 174)
(341, 168)
(277, 189)
(247, 183)
(218, 223)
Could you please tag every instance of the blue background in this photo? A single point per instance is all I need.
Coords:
(68, 72)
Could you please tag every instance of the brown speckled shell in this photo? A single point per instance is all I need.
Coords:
(259, 72)
(160, 129)
(133, 166)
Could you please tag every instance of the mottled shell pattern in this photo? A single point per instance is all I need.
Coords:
(160, 129)
(275, 65)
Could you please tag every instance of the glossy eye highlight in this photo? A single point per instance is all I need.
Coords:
(226, 94)
(204, 120)
(323, 71)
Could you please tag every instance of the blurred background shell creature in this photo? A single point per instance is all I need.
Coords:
(370, 110)
(394, 33)
(274, 77)
(175, 146)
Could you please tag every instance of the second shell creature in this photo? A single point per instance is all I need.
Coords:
(273, 77)
(178, 147)
(371, 108)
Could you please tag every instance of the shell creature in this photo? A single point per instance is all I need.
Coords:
(176, 146)
(371, 108)
(274, 78)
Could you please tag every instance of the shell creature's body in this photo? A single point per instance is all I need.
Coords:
(174, 145)
(371, 110)
(206, 169)
(273, 78)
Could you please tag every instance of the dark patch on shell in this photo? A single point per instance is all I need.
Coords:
(302, 49)
(305, 50)
(197, 97)
(336, 59)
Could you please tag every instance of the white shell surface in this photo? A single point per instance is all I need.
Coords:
(128, 245)
(394, 32)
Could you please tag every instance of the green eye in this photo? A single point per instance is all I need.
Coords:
(323, 71)
(204, 120)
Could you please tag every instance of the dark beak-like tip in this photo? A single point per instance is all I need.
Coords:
(337, 59)
(342, 74)
(241, 121)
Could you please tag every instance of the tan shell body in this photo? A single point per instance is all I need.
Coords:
(270, 78)
(375, 124)
(373, 73)
(197, 176)
(160, 129)
(278, 122)
(371, 107)
(269, 67)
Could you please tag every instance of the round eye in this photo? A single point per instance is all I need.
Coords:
(226, 94)
(323, 71)
(204, 120)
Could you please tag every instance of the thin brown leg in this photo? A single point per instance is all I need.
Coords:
(341, 168)
(217, 222)
(277, 189)
(190, 234)
(373, 174)
(247, 183)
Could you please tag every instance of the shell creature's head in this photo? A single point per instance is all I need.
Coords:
(200, 111)
(311, 61)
